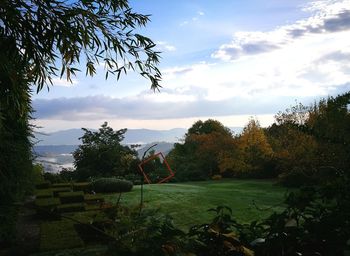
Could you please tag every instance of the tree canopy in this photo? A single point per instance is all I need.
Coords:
(43, 39)
(61, 32)
(101, 154)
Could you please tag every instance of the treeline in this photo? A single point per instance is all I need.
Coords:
(303, 145)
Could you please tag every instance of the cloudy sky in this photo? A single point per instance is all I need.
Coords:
(226, 60)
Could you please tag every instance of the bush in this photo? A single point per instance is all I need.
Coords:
(76, 207)
(61, 185)
(81, 186)
(93, 199)
(53, 177)
(111, 185)
(43, 193)
(46, 205)
(71, 197)
(297, 177)
(56, 191)
(216, 177)
(43, 185)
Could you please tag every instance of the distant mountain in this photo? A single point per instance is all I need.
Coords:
(132, 136)
(46, 150)
(65, 137)
(163, 147)
(143, 136)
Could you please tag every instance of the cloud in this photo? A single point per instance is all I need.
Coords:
(165, 46)
(169, 104)
(193, 19)
(64, 82)
(326, 17)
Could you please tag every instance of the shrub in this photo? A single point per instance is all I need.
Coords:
(56, 191)
(53, 177)
(216, 177)
(81, 186)
(43, 193)
(61, 185)
(46, 205)
(46, 202)
(71, 197)
(297, 177)
(43, 185)
(111, 185)
(76, 207)
(93, 199)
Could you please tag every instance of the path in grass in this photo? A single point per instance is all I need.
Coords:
(188, 203)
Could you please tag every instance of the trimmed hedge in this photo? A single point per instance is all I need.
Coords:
(46, 205)
(111, 185)
(76, 207)
(81, 186)
(93, 199)
(43, 185)
(71, 197)
(56, 191)
(61, 185)
(43, 193)
(47, 202)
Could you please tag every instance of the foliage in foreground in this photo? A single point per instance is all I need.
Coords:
(315, 222)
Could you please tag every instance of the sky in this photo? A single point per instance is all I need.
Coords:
(226, 60)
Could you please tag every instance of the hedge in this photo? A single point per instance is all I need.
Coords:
(93, 199)
(43, 193)
(43, 185)
(46, 205)
(56, 191)
(81, 186)
(71, 197)
(111, 185)
(76, 207)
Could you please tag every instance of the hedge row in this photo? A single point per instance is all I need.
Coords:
(111, 185)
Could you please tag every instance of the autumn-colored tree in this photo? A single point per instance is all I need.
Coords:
(204, 143)
(329, 123)
(295, 149)
(253, 155)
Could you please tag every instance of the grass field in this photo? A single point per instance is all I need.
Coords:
(188, 202)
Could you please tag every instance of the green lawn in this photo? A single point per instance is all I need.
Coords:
(188, 202)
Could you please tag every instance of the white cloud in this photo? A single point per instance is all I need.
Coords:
(52, 125)
(165, 46)
(193, 19)
(261, 73)
(64, 82)
(326, 17)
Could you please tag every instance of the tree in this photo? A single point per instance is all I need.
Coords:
(253, 153)
(295, 148)
(198, 157)
(42, 39)
(45, 33)
(101, 154)
(329, 123)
